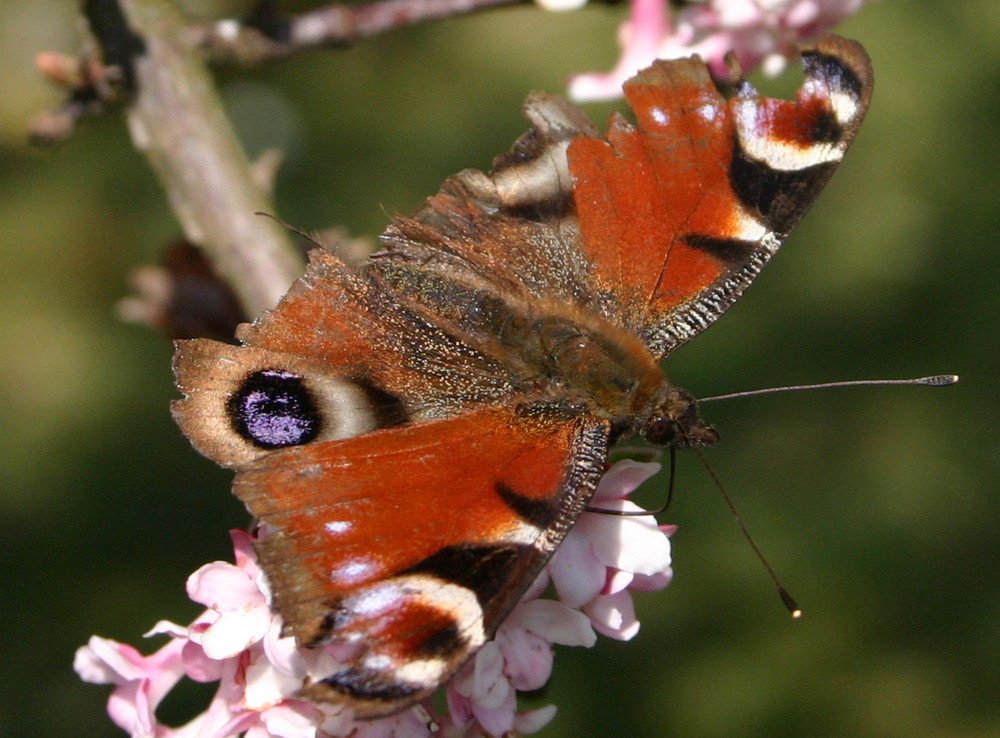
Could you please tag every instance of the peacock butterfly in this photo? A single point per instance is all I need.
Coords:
(417, 434)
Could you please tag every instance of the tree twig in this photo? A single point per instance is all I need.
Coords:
(176, 119)
(148, 54)
(264, 36)
(267, 36)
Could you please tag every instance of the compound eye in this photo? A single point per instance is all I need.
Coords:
(660, 432)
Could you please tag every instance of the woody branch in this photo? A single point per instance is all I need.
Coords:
(267, 35)
(176, 120)
(155, 60)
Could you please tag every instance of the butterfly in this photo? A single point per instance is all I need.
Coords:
(417, 434)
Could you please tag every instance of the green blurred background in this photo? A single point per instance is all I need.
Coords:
(878, 507)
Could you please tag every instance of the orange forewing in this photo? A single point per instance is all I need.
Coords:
(646, 187)
(322, 316)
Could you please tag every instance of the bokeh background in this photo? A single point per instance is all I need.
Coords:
(879, 507)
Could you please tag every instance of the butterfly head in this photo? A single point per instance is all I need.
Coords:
(674, 421)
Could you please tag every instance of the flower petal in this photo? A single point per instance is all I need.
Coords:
(266, 686)
(613, 615)
(651, 582)
(531, 721)
(497, 719)
(576, 572)
(555, 622)
(235, 631)
(622, 479)
(293, 719)
(637, 545)
(104, 661)
(527, 658)
(490, 687)
(224, 587)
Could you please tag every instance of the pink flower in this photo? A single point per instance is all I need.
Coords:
(759, 32)
(237, 641)
(238, 614)
(606, 555)
(141, 682)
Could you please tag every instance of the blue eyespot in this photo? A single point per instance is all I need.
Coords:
(275, 409)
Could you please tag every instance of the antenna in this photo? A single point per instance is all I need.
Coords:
(790, 604)
(288, 226)
(937, 380)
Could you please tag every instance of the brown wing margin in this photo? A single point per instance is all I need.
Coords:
(446, 524)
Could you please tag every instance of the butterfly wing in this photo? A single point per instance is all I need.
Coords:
(657, 227)
(340, 356)
(679, 213)
(414, 542)
(408, 492)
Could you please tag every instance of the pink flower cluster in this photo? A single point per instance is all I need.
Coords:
(759, 32)
(237, 641)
